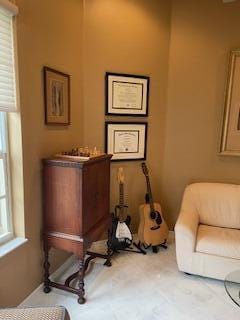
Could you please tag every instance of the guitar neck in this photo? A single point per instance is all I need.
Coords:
(149, 191)
(121, 198)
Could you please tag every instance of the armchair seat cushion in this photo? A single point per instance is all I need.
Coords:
(217, 241)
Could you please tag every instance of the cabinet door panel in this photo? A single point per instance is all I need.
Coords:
(95, 194)
(62, 199)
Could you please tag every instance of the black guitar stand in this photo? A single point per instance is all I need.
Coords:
(155, 249)
(136, 245)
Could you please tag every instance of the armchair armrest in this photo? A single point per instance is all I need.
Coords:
(186, 230)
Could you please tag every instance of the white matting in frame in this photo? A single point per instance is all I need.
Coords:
(126, 94)
(126, 141)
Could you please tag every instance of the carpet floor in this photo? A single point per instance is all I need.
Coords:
(139, 287)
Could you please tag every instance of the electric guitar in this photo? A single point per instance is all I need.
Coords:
(121, 237)
(153, 230)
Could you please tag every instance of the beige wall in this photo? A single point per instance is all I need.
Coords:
(186, 103)
(49, 33)
(127, 37)
(202, 34)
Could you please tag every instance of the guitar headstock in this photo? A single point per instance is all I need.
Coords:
(144, 169)
(120, 176)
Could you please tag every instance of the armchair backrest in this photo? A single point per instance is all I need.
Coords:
(217, 204)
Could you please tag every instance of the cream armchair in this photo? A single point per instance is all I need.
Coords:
(208, 230)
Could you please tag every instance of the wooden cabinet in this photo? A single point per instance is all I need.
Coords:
(75, 210)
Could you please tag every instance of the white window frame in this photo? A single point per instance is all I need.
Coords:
(8, 11)
(4, 155)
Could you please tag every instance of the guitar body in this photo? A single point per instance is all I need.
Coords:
(148, 233)
(115, 244)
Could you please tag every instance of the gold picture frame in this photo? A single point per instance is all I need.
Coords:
(56, 97)
(230, 139)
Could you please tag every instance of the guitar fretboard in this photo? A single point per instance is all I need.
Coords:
(149, 191)
(121, 199)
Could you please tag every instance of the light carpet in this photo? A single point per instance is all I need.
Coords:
(139, 287)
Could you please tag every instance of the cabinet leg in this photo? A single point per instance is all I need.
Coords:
(46, 266)
(81, 291)
(109, 251)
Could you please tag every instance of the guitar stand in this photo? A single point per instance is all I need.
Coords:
(139, 249)
(155, 249)
(162, 245)
(136, 245)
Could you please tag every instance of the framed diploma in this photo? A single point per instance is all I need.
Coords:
(126, 94)
(125, 140)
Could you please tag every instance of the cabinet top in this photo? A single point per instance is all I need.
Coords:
(62, 161)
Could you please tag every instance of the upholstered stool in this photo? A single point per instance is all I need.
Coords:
(36, 313)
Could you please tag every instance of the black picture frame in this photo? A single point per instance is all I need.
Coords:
(134, 87)
(129, 135)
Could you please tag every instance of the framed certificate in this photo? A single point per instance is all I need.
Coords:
(126, 94)
(125, 140)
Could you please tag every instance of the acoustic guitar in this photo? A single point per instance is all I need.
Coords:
(153, 230)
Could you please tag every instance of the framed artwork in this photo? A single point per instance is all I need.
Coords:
(230, 142)
(125, 140)
(56, 97)
(126, 95)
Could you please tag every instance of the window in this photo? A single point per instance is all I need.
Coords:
(8, 103)
(5, 198)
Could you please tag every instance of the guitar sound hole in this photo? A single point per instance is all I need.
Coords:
(159, 219)
(153, 215)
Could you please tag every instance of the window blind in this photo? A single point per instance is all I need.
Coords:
(7, 57)
(9, 6)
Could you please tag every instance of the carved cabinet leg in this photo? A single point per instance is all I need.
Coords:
(109, 250)
(46, 266)
(80, 277)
